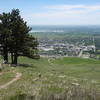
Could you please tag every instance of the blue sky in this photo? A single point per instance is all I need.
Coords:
(56, 12)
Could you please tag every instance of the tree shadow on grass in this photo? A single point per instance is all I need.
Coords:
(22, 97)
(26, 65)
(23, 65)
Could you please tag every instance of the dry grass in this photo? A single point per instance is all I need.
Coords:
(70, 93)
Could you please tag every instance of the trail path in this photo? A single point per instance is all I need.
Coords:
(18, 75)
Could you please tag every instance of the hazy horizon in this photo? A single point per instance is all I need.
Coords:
(65, 28)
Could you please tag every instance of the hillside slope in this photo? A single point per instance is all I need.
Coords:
(49, 79)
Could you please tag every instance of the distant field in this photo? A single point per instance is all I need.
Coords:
(71, 37)
(61, 35)
(47, 77)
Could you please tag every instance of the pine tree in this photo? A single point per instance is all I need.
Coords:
(22, 43)
(15, 37)
(4, 35)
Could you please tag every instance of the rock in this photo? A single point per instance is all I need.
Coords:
(94, 81)
(75, 84)
(62, 76)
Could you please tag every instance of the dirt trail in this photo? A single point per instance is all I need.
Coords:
(18, 75)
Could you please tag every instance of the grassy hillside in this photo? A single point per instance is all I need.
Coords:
(52, 79)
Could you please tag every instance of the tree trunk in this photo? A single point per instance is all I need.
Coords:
(5, 55)
(12, 58)
(15, 58)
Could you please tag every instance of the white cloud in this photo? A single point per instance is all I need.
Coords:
(63, 7)
(69, 7)
(68, 14)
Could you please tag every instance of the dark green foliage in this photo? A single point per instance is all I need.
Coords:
(4, 34)
(15, 38)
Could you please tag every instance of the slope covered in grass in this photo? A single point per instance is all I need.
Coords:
(49, 79)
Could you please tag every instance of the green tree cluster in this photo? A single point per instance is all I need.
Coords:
(15, 39)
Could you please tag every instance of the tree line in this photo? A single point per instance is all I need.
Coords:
(15, 39)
